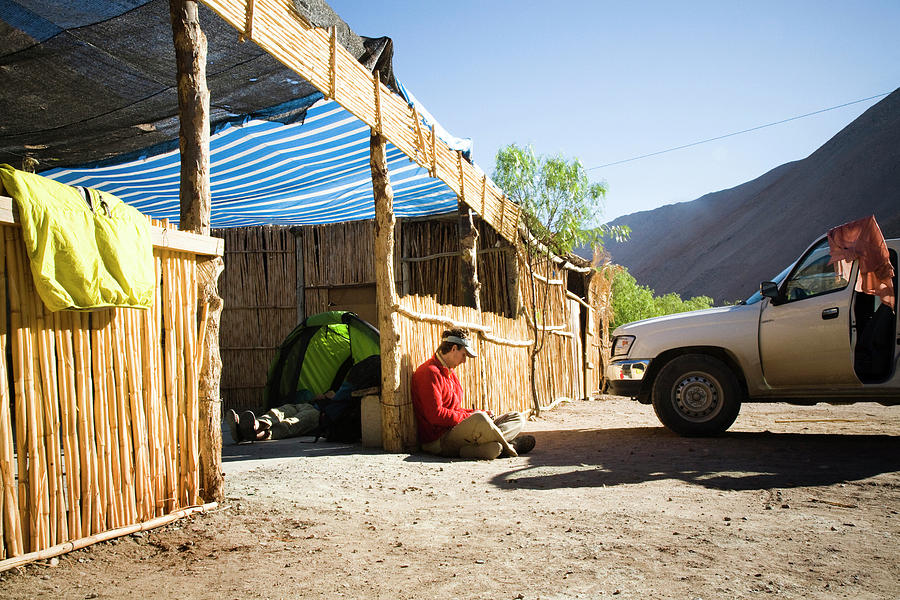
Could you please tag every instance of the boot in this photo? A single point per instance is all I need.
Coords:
(231, 418)
(247, 426)
(523, 444)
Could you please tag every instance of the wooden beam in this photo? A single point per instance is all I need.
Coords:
(185, 241)
(103, 536)
(193, 112)
(377, 97)
(392, 404)
(405, 271)
(332, 63)
(248, 27)
(479, 251)
(468, 266)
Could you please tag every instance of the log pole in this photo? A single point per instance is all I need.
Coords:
(468, 266)
(392, 403)
(193, 112)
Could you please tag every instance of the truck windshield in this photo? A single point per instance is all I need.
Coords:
(777, 279)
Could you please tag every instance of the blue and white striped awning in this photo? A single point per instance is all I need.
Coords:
(267, 173)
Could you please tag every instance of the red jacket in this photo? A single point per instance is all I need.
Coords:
(437, 398)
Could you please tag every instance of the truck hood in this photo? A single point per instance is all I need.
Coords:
(694, 318)
(719, 327)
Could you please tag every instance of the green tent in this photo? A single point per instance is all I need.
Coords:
(317, 354)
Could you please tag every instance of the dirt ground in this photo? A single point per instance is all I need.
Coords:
(791, 503)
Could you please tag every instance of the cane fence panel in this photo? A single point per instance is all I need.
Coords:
(259, 289)
(99, 427)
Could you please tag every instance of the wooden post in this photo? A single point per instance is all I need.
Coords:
(512, 281)
(392, 403)
(404, 264)
(468, 265)
(193, 111)
(301, 273)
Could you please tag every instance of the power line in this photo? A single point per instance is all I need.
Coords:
(727, 135)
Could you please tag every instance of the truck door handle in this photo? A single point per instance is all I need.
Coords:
(830, 313)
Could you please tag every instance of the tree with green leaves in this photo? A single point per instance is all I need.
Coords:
(561, 207)
(632, 301)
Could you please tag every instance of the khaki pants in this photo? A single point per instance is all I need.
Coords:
(479, 436)
(291, 420)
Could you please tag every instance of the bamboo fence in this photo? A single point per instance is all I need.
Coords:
(500, 379)
(101, 431)
(600, 297)
(338, 259)
(503, 378)
(430, 260)
(555, 319)
(497, 380)
(315, 54)
(259, 289)
(430, 263)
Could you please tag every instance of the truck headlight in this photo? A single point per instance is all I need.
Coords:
(627, 369)
(622, 344)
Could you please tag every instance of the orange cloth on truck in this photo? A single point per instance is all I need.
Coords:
(862, 240)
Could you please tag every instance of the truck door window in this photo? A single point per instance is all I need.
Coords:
(814, 276)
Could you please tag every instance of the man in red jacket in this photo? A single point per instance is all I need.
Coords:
(448, 429)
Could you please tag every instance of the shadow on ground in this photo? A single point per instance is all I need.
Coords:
(733, 461)
(607, 457)
(289, 448)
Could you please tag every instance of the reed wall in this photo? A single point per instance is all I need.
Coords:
(101, 430)
(336, 271)
(430, 264)
(259, 289)
(600, 345)
(339, 268)
(557, 319)
(500, 378)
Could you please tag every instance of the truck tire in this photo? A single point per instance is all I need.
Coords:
(696, 394)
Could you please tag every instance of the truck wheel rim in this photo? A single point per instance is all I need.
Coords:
(697, 397)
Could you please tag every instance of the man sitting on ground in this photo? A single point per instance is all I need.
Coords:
(447, 429)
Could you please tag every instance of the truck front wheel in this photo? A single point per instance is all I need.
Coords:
(696, 394)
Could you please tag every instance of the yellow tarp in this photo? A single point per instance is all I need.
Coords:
(82, 258)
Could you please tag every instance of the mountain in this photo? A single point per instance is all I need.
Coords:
(724, 243)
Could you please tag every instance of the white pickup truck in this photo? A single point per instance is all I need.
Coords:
(805, 337)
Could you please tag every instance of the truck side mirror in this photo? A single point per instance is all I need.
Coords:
(769, 289)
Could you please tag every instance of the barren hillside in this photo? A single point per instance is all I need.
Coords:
(726, 242)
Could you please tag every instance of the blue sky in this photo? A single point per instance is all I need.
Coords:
(607, 81)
